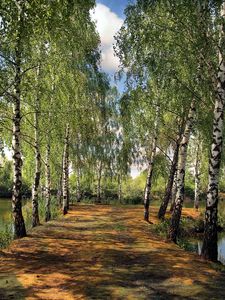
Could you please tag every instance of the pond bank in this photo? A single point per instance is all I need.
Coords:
(6, 221)
(104, 252)
(191, 232)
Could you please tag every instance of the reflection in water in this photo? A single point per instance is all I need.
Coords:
(221, 250)
(220, 245)
(199, 247)
(5, 212)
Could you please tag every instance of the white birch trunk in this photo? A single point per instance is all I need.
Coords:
(209, 249)
(174, 192)
(47, 185)
(197, 176)
(150, 168)
(35, 211)
(37, 175)
(99, 181)
(120, 188)
(18, 221)
(78, 185)
(175, 220)
(65, 182)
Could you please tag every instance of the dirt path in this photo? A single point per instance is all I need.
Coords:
(102, 252)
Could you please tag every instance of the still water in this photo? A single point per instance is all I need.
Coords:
(5, 212)
(220, 246)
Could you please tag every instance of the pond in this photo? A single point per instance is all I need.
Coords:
(5, 212)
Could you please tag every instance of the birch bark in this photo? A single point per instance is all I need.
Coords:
(47, 185)
(99, 180)
(175, 219)
(65, 184)
(18, 221)
(150, 168)
(37, 175)
(209, 249)
(173, 169)
(174, 192)
(197, 176)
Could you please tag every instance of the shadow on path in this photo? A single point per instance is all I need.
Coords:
(103, 252)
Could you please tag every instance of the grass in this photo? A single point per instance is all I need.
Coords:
(162, 228)
(187, 245)
(6, 236)
(186, 231)
(120, 227)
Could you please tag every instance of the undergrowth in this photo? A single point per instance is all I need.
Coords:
(6, 231)
(6, 236)
(186, 231)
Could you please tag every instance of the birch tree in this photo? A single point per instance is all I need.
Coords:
(35, 213)
(65, 182)
(170, 183)
(175, 220)
(197, 174)
(209, 249)
(150, 167)
(19, 226)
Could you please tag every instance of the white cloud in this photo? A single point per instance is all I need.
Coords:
(110, 62)
(108, 24)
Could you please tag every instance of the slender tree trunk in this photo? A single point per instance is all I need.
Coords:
(37, 175)
(197, 176)
(47, 185)
(175, 220)
(150, 169)
(209, 248)
(174, 192)
(66, 172)
(173, 169)
(19, 225)
(59, 190)
(68, 189)
(78, 185)
(119, 188)
(99, 181)
(149, 182)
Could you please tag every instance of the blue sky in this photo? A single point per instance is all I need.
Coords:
(116, 6)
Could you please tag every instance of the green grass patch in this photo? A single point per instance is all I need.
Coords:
(119, 227)
(162, 228)
(187, 245)
(6, 236)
